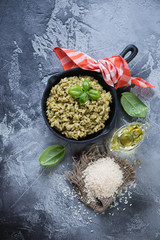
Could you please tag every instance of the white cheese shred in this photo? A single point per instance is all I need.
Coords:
(102, 178)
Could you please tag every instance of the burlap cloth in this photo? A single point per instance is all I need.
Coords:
(81, 162)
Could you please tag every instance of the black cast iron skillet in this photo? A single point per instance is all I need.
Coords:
(109, 124)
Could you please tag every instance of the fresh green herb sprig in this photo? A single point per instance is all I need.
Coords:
(84, 92)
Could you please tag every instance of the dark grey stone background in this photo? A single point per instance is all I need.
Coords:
(36, 202)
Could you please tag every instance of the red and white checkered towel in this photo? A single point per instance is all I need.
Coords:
(115, 69)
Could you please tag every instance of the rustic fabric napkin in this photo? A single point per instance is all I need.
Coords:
(115, 69)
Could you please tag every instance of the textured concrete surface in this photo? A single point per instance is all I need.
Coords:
(37, 202)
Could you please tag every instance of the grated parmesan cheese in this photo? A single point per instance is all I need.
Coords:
(102, 178)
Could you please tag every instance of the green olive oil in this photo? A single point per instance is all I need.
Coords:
(127, 137)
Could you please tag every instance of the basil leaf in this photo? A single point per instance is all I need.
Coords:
(132, 105)
(52, 155)
(94, 94)
(83, 98)
(75, 91)
(86, 85)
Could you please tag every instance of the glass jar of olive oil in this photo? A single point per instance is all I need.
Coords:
(128, 137)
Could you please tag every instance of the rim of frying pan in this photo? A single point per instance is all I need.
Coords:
(109, 124)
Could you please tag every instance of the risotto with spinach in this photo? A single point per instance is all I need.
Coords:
(71, 118)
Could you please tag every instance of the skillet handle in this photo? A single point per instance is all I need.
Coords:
(133, 52)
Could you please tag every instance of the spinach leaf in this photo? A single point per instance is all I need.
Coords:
(75, 91)
(94, 94)
(132, 105)
(52, 155)
(83, 98)
(86, 85)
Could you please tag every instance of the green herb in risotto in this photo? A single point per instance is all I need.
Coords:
(83, 93)
(73, 119)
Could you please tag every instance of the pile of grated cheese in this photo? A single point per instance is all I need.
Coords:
(102, 178)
